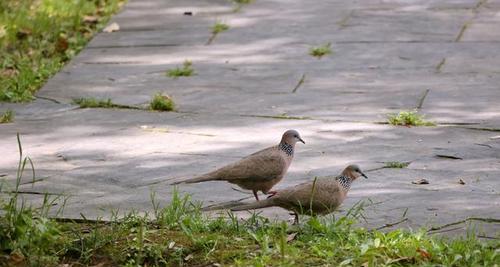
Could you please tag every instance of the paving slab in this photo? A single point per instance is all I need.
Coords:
(387, 56)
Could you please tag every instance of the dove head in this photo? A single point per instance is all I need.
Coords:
(291, 137)
(353, 172)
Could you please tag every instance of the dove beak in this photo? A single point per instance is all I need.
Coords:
(364, 175)
(300, 139)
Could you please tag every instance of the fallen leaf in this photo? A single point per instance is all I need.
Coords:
(8, 72)
(171, 245)
(188, 257)
(420, 181)
(424, 253)
(62, 44)
(3, 31)
(495, 137)
(291, 237)
(460, 181)
(100, 11)
(90, 19)
(23, 33)
(166, 97)
(16, 257)
(398, 259)
(113, 27)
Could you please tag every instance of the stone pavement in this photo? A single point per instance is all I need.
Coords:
(387, 54)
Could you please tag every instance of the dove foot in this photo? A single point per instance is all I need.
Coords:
(271, 193)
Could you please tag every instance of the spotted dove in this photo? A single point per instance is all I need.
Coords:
(321, 196)
(259, 171)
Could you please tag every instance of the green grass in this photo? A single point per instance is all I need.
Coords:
(409, 118)
(321, 51)
(241, 3)
(219, 27)
(396, 165)
(7, 116)
(37, 37)
(184, 71)
(162, 103)
(179, 234)
(91, 102)
(27, 235)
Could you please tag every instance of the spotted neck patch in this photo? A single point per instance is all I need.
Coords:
(287, 148)
(344, 181)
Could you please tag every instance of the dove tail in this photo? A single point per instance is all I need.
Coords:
(194, 180)
(255, 205)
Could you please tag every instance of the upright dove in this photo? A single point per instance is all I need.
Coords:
(321, 196)
(259, 171)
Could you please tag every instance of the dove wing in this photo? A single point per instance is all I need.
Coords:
(326, 193)
(264, 165)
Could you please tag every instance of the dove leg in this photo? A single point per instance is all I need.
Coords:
(255, 194)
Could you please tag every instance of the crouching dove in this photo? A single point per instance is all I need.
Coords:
(321, 196)
(258, 172)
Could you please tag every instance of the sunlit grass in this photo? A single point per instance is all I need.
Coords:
(37, 37)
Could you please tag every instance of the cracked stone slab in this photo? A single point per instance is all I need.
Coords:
(385, 56)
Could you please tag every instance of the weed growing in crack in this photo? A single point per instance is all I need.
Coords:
(241, 3)
(396, 165)
(162, 102)
(90, 102)
(409, 118)
(184, 71)
(219, 27)
(320, 51)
